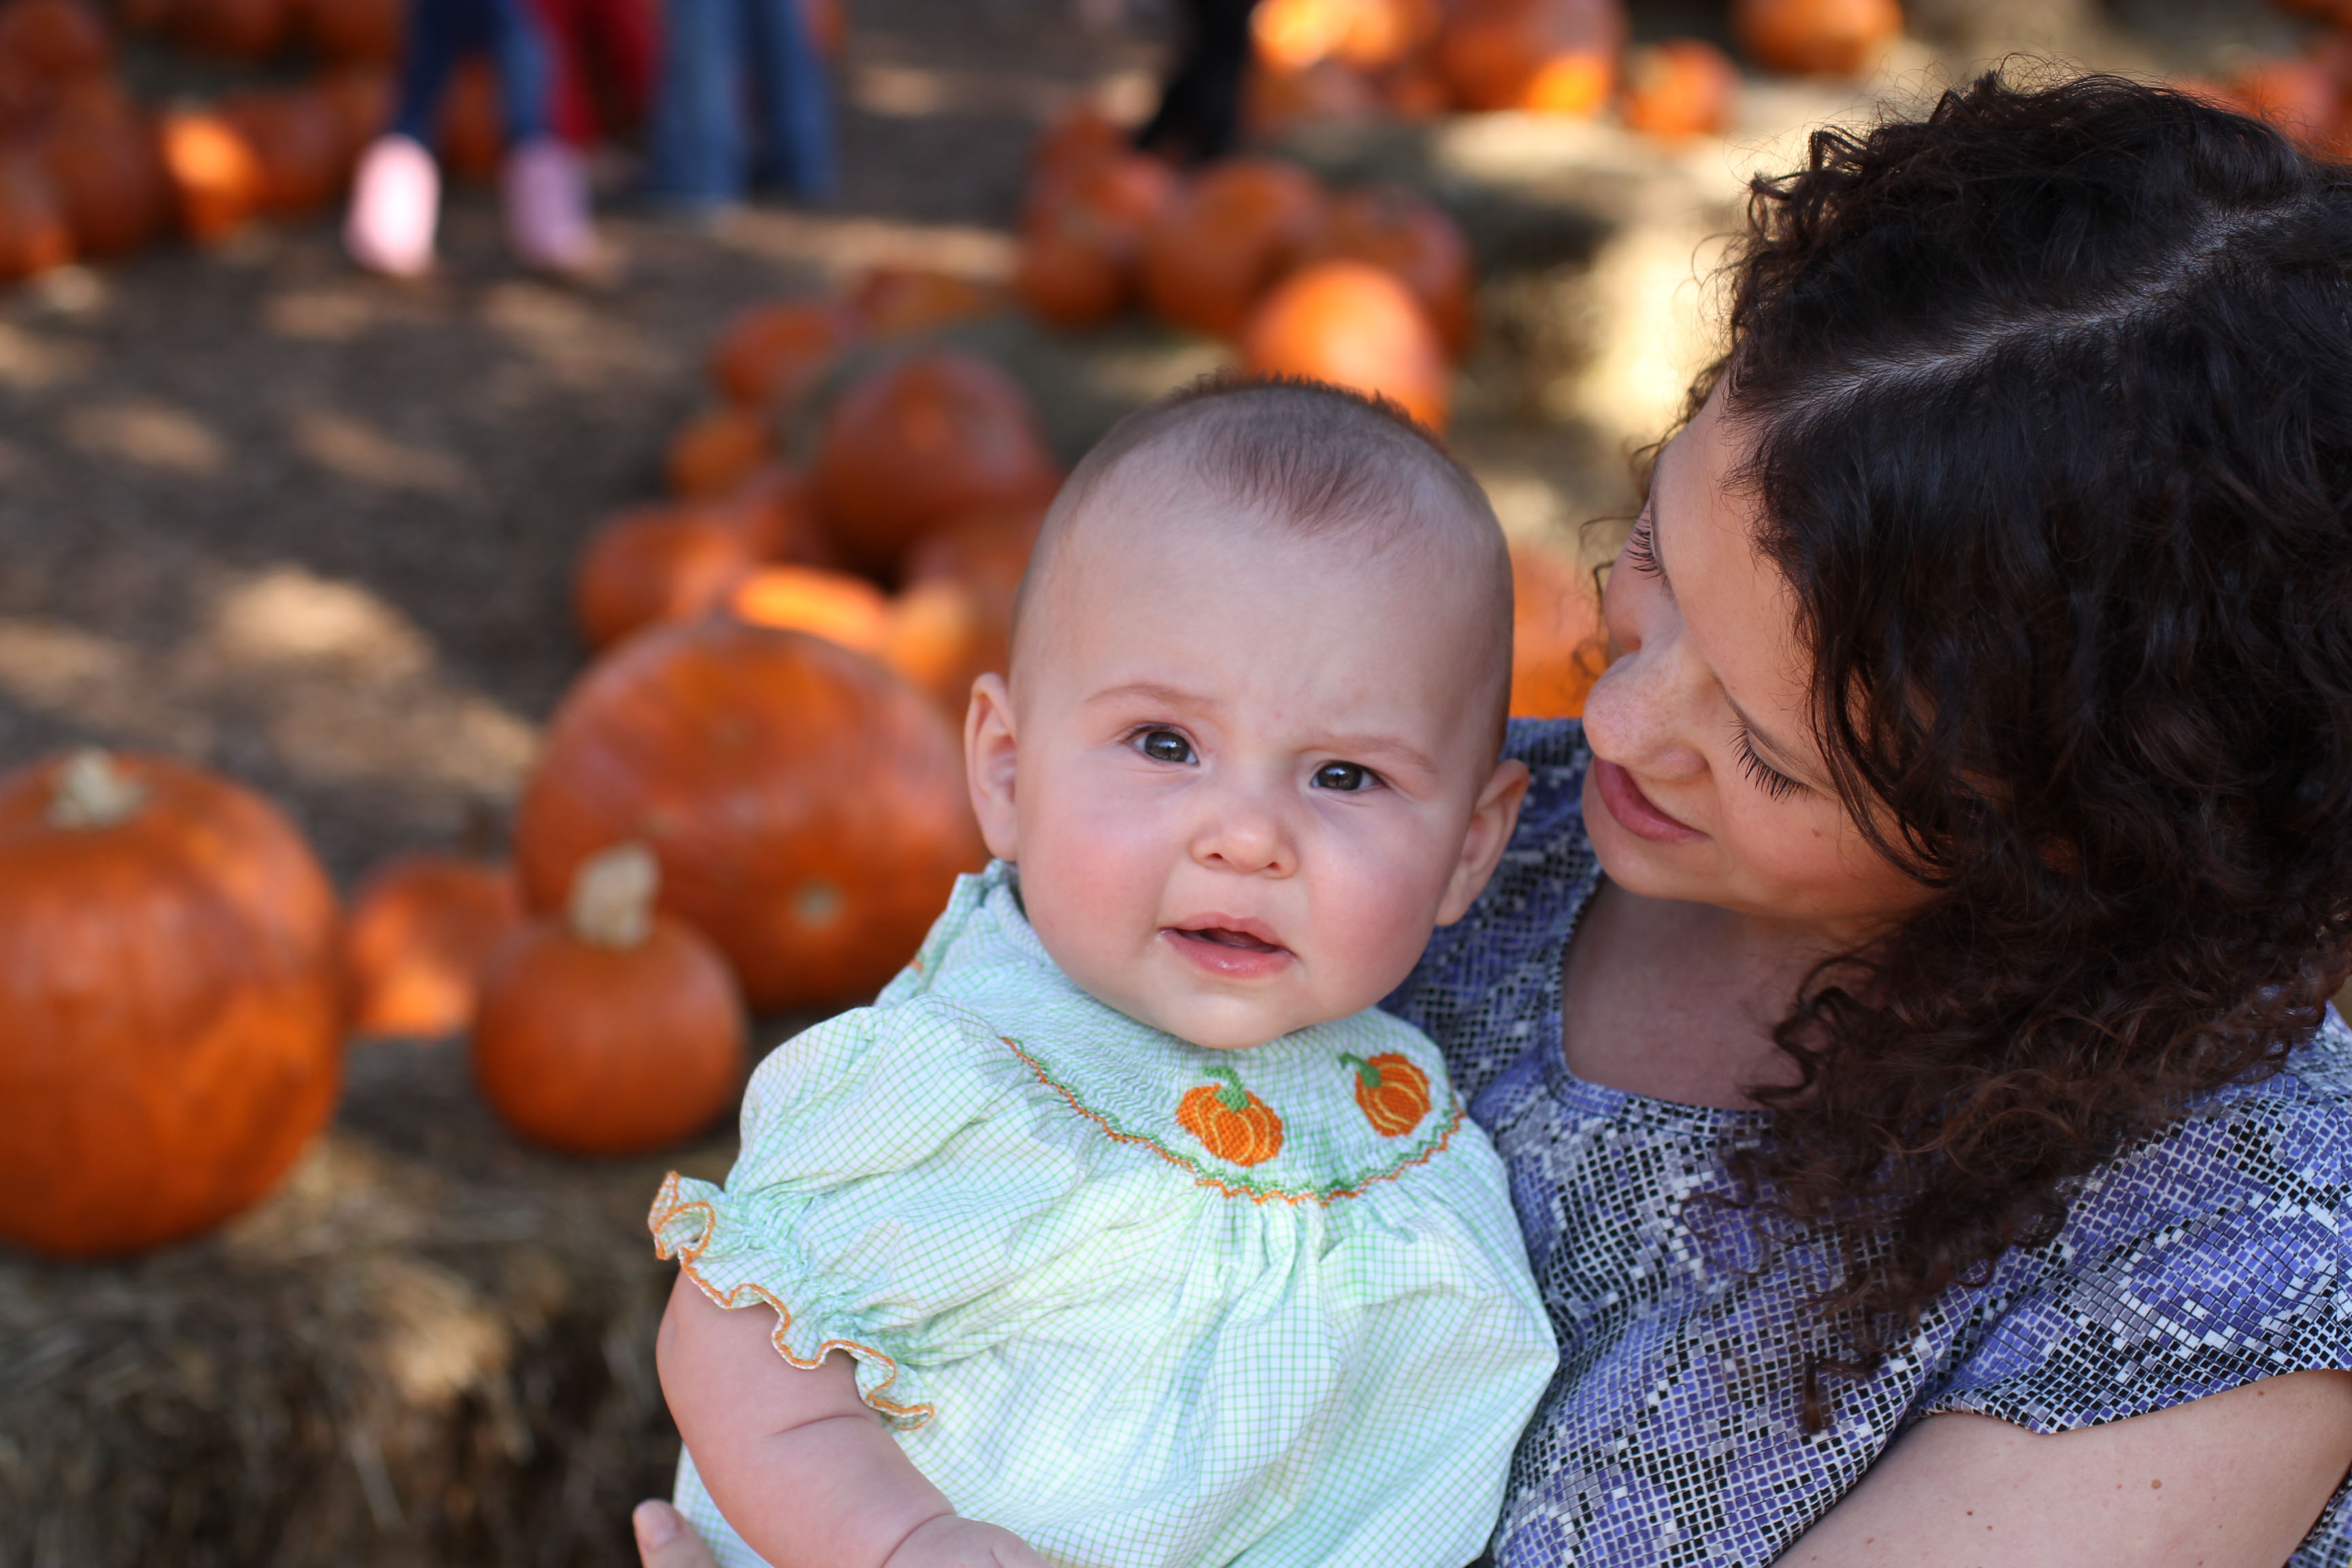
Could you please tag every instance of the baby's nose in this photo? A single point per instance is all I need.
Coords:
(1244, 835)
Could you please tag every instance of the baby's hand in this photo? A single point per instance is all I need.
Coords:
(949, 1542)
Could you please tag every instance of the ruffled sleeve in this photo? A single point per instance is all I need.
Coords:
(849, 1208)
(2211, 1257)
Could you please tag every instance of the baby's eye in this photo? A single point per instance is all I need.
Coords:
(1164, 746)
(1342, 776)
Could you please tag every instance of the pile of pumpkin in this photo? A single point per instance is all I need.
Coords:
(87, 173)
(1353, 58)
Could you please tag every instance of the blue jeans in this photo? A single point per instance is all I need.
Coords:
(720, 59)
(443, 32)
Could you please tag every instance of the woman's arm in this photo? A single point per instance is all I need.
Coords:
(804, 1470)
(2232, 1480)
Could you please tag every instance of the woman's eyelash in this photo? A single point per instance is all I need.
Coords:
(1641, 552)
(1776, 785)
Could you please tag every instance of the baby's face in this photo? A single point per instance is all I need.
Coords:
(1244, 775)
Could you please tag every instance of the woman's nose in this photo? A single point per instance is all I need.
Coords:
(1645, 712)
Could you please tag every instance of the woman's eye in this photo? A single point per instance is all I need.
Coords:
(1342, 776)
(1164, 746)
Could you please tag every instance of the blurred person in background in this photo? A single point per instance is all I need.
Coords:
(1199, 108)
(729, 67)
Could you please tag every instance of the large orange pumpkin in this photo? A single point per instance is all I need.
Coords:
(33, 233)
(1832, 38)
(1559, 646)
(216, 180)
(771, 356)
(299, 138)
(1551, 56)
(1409, 235)
(171, 1018)
(651, 564)
(1684, 87)
(611, 1030)
(421, 930)
(1230, 1122)
(716, 452)
(1225, 239)
(808, 806)
(104, 162)
(917, 441)
(1354, 325)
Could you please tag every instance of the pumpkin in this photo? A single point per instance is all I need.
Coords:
(1549, 56)
(103, 162)
(1231, 1123)
(771, 356)
(1559, 646)
(807, 805)
(612, 1030)
(368, 31)
(1079, 136)
(57, 40)
(299, 138)
(917, 441)
(769, 512)
(901, 301)
(33, 233)
(840, 608)
(954, 622)
(233, 29)
(1291, 36)
(171, 1019)
(1829, 38)
(651, 564)
(1274, 102)
(716, 452)
(1405, 233)
(988, 548)
(1079, 242)
(2300, 97)
(470, 130)
(216, 177)
(1226, 238)
(1357, 326)
(1383, 35)
(1682, 88)
(421, 930)
(1392, 1093)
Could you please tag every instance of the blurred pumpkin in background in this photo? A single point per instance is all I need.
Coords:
(353, 31)
(104, 161)
(1549, 56)
(299, 139)
(1080, 243)
(2302, 97)
(901, 301)
(917, 441)
(609, 1029)
(1681, 88)
(171, 1012)
(216, 180)
(1558, 645)
(716, 451)
(652, 565)
(422, 931)
(1405, 233)
(1816, 37)
(33, 233)
(807, 806)
(841, 609)
(771, 355)
(1354, 325)
(1226, 239)
(249, 30)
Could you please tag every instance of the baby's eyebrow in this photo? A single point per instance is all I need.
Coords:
(1156, 691)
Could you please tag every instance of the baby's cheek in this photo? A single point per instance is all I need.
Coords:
(1375, 923)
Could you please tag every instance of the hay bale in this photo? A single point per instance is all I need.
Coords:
(432, 1346)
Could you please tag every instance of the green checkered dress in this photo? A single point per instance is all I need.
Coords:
(1146, 1305)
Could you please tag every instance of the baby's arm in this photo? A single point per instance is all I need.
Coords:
(805, 1472)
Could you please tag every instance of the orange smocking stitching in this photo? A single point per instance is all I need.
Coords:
(743, 1295)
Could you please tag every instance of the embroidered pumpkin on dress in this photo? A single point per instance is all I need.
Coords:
(1231, 1121)
(1393, 1092)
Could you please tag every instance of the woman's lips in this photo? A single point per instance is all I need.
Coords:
(1636, 813)
(1229, 951)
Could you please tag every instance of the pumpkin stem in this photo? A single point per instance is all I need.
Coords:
(1365, 1071)
(92, 792)
(612, 896)
(1230, 1093)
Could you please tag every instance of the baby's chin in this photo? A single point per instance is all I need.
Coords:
(1211, 1022)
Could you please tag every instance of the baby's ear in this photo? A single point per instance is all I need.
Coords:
(990, 753)
(1492, 821)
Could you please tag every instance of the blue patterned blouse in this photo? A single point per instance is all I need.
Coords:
(2213, 1256)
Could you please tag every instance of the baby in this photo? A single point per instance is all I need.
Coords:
(1120, 1231)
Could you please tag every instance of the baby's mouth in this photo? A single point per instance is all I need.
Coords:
(1225, 936)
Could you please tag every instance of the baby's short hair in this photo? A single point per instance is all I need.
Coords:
(1316, 459)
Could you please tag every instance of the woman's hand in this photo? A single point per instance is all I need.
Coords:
(666, 1541)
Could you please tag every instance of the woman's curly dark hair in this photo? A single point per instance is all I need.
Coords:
(2048, 398)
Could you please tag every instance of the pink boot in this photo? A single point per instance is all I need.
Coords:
(548, 226)
(396, 202)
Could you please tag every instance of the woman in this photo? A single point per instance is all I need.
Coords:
(1904, 1008)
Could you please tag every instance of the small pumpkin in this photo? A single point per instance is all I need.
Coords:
(901, 301)
(808, 806)
(216, 180)
(919, 440)
(611, 1030)
(1407, 234)
(1231, 1123)
(104, 162)
(423, 928)
(1392, 1093)
(771, 356)
(1559, 646)
(769, 511)
(651, 564)
(1825, 37)
(1081, 238)
(1679, 89)
(717, 451)
(1357, 326)
(1548, 57)
(1387, 35)
(1226, 239)
(33, 233)
(840, 608)
(299, 138)
(171, 1013)
(1364, 35)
